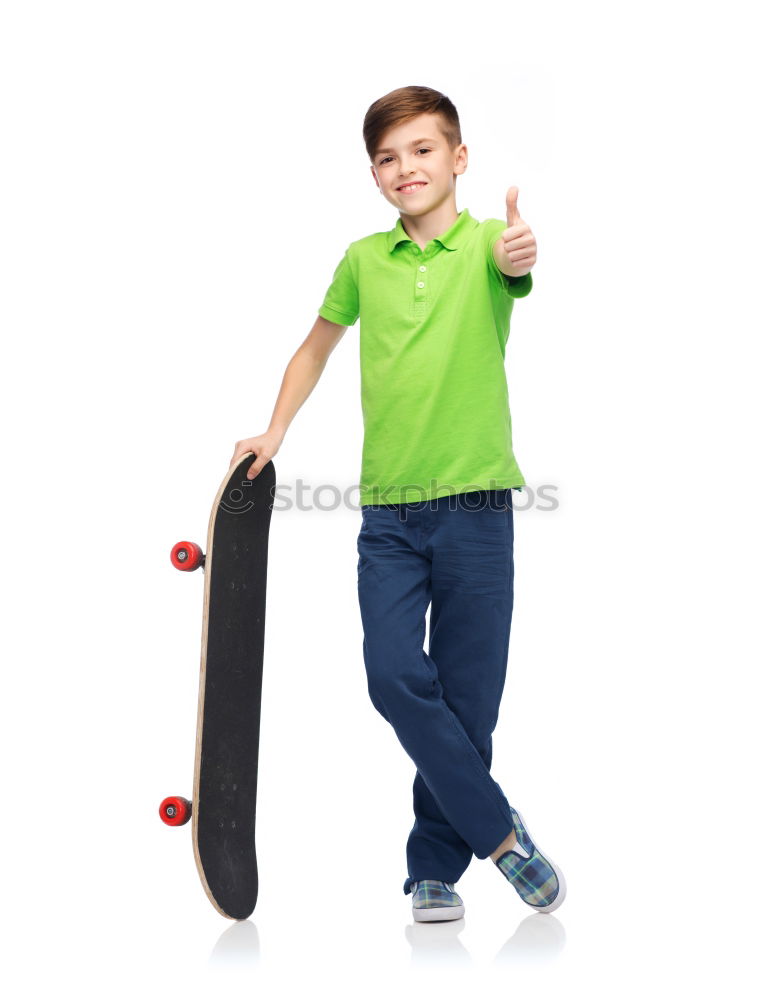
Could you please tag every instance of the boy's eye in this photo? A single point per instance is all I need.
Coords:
(422, 149)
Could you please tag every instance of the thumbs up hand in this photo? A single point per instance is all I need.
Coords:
(519, 242)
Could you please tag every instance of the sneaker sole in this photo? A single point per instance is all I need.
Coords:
(424, 913)
(559, 898)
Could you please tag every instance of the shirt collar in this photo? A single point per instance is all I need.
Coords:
(452, 239)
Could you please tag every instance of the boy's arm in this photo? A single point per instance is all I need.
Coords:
(303, 371)
(301, 375)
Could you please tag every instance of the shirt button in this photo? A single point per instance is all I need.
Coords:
(422, 267)
(420, 284)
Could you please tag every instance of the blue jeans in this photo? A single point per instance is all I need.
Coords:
(456, 554)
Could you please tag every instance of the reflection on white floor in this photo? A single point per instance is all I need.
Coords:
(238, 945)
(538, 939)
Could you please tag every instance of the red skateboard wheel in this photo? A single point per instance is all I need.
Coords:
(186, 556)
(175, 810)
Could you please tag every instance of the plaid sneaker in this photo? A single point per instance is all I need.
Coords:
(433, 899)
(534, 875)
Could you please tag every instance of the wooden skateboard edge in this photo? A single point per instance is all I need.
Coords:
(202, 689)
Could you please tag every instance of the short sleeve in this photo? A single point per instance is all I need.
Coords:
(517, 288)
(342, 300)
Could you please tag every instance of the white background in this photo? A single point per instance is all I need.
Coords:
(179, 181)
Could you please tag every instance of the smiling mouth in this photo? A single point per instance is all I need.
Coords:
(410, 188)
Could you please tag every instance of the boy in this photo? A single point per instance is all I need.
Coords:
(434, 296)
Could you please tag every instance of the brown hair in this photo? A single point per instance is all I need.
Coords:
(403, 104)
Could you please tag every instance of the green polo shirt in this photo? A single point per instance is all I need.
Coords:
(433, 330)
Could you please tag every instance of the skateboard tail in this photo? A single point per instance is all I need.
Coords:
(228, 875)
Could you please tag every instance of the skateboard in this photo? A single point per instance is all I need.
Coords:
(224, 794)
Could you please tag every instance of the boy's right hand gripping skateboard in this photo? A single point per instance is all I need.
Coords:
(224, 794)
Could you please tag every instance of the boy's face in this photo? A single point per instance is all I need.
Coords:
(401, 160)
